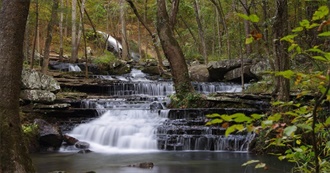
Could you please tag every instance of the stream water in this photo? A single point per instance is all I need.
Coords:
(135, 126)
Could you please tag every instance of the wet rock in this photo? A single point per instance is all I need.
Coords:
(82, 145)
(84, 151)
(49, 135)
(52, 106)
(151, 70)
(199, 73)
(69, 140)
(42, 96)
(156, 105)
(147, 165)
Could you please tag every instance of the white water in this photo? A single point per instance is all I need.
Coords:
(128, 122)
(121, 130)
(74, 68)
(112, 41)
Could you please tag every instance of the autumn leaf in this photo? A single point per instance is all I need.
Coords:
(256, 35)
(324, 23)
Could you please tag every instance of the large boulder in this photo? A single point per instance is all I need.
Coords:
(119, 67)
(199, 73)
(41, 96)
(33, 80)
(50, 136)
(235, 75)
(218, 69)
(259, 67)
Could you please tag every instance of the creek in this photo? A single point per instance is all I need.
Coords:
(133, 125)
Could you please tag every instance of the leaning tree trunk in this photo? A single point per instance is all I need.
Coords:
(173, 51)
(153, 36)
(13, 153)
(49, 36)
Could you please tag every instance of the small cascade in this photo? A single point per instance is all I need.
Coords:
(62, 66)
(74, 68)
(112, 44)
(121, 129)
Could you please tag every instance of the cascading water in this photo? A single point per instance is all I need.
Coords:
(121, 129)
(135, 118)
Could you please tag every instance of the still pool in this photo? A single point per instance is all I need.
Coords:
(164, 162)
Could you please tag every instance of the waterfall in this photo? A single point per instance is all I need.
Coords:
(134, 117)
(132, 130)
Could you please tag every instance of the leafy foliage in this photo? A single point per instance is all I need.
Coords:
(302, 129)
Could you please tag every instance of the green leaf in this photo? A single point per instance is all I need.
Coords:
(260, 165)
(214, 121)
(281, 157)
(298, 29)
(315, 49)
(249, 40)
(324, 34)
(275, 117)
(226, 117)
(304, 23)
(215, 115)
(244, 16)
(328, 144)
(327, 56)
(327, 122)
(298, 49)
(289, 131)
(292, 47)
(287, 74)
(256, 116)
(289, 38)
(233, 128)
(242, 118)
(320, 13)
(304, 126)
(230, 130)
(266, 123)
(298, 150)
(254, 18)
(313, 25)
(250, 162)
(320, 58)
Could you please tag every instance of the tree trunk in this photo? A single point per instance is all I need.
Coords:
(35, 35)
(247, 28)
(125, 52)
(81, 9)
(74, 49)
(153, 36)
(200, 32)
(49, 36)
(13, 153)
(61, 32)
(221, 15)
(173, 51)
(282, 61)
